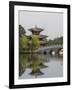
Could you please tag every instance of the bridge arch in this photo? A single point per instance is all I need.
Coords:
(52, 52)
(56, 49)
(60, 51)
(45, 52)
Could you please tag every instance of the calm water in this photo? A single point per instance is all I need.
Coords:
(40, 66)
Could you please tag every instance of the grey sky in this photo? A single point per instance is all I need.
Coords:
(51, 22)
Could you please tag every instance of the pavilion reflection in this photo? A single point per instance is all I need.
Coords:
(35, 62)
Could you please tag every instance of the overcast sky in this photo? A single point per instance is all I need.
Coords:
(51, 22)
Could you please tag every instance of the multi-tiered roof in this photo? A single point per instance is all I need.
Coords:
(36, 31)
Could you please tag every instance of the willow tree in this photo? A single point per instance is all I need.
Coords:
(35, 42)
(24, 42)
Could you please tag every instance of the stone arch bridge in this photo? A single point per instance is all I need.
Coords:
(49, 49)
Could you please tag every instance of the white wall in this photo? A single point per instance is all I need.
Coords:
(4, 43)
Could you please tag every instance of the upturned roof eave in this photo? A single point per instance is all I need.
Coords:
(35, 29)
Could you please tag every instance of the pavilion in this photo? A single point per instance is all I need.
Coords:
(36, 31)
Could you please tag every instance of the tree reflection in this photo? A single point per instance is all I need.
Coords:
(32, 61)
(36, 65)
(23, 63)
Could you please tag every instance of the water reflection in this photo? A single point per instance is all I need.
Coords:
(39, 65)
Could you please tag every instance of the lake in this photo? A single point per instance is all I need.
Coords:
(40, 66)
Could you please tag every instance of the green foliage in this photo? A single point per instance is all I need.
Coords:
(24, 42)
(35, 42)
(21, 31)
(56, 41)
(29, 45)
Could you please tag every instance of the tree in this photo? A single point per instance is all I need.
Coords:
(21, 31)
(24, 42)
(56, 41)
(35, 42)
